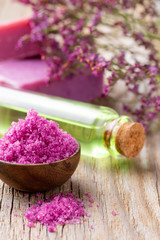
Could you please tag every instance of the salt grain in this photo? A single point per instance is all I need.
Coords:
(30, 224)
(88, 195)
(91, 200)
(114, 213)
(90, 205)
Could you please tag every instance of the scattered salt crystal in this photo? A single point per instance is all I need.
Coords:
(114, 213)
(87, 194)
(91, 200)
(38, 237)
(51, 229)
(91, 226)
(60, 209)
(36, 140)
(30, 224)
(90, 205)
(87, 214)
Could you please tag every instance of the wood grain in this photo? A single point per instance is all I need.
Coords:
(130, 188)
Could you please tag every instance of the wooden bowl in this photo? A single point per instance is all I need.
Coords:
(39, 177)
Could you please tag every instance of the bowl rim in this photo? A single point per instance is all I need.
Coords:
(78, 149)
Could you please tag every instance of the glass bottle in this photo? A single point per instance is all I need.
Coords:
(95, 127)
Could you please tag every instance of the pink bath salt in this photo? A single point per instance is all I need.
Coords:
(91, 200)
(88, 195)
(61, 209)
(51, 229)
(36, 140)
(114, 213)
(30, 224)
(88, 214)
(90, 205)
(92, 227)
(15, 214)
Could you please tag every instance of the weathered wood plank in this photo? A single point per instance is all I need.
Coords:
(130, 192)
(130, 188)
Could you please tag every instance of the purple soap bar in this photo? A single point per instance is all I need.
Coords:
(31, 74)
(10, 33)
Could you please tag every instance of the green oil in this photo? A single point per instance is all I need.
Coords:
(85, 122)
(89, 136)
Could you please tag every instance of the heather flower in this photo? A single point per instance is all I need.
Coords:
(153, 70)
(69, 32)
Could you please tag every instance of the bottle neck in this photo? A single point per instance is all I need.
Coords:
(110, 135)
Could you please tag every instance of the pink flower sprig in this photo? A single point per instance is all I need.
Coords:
(68, 33)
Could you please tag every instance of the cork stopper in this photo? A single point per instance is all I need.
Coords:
(130, 139)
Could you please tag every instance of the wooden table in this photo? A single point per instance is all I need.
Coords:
(129, 188)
